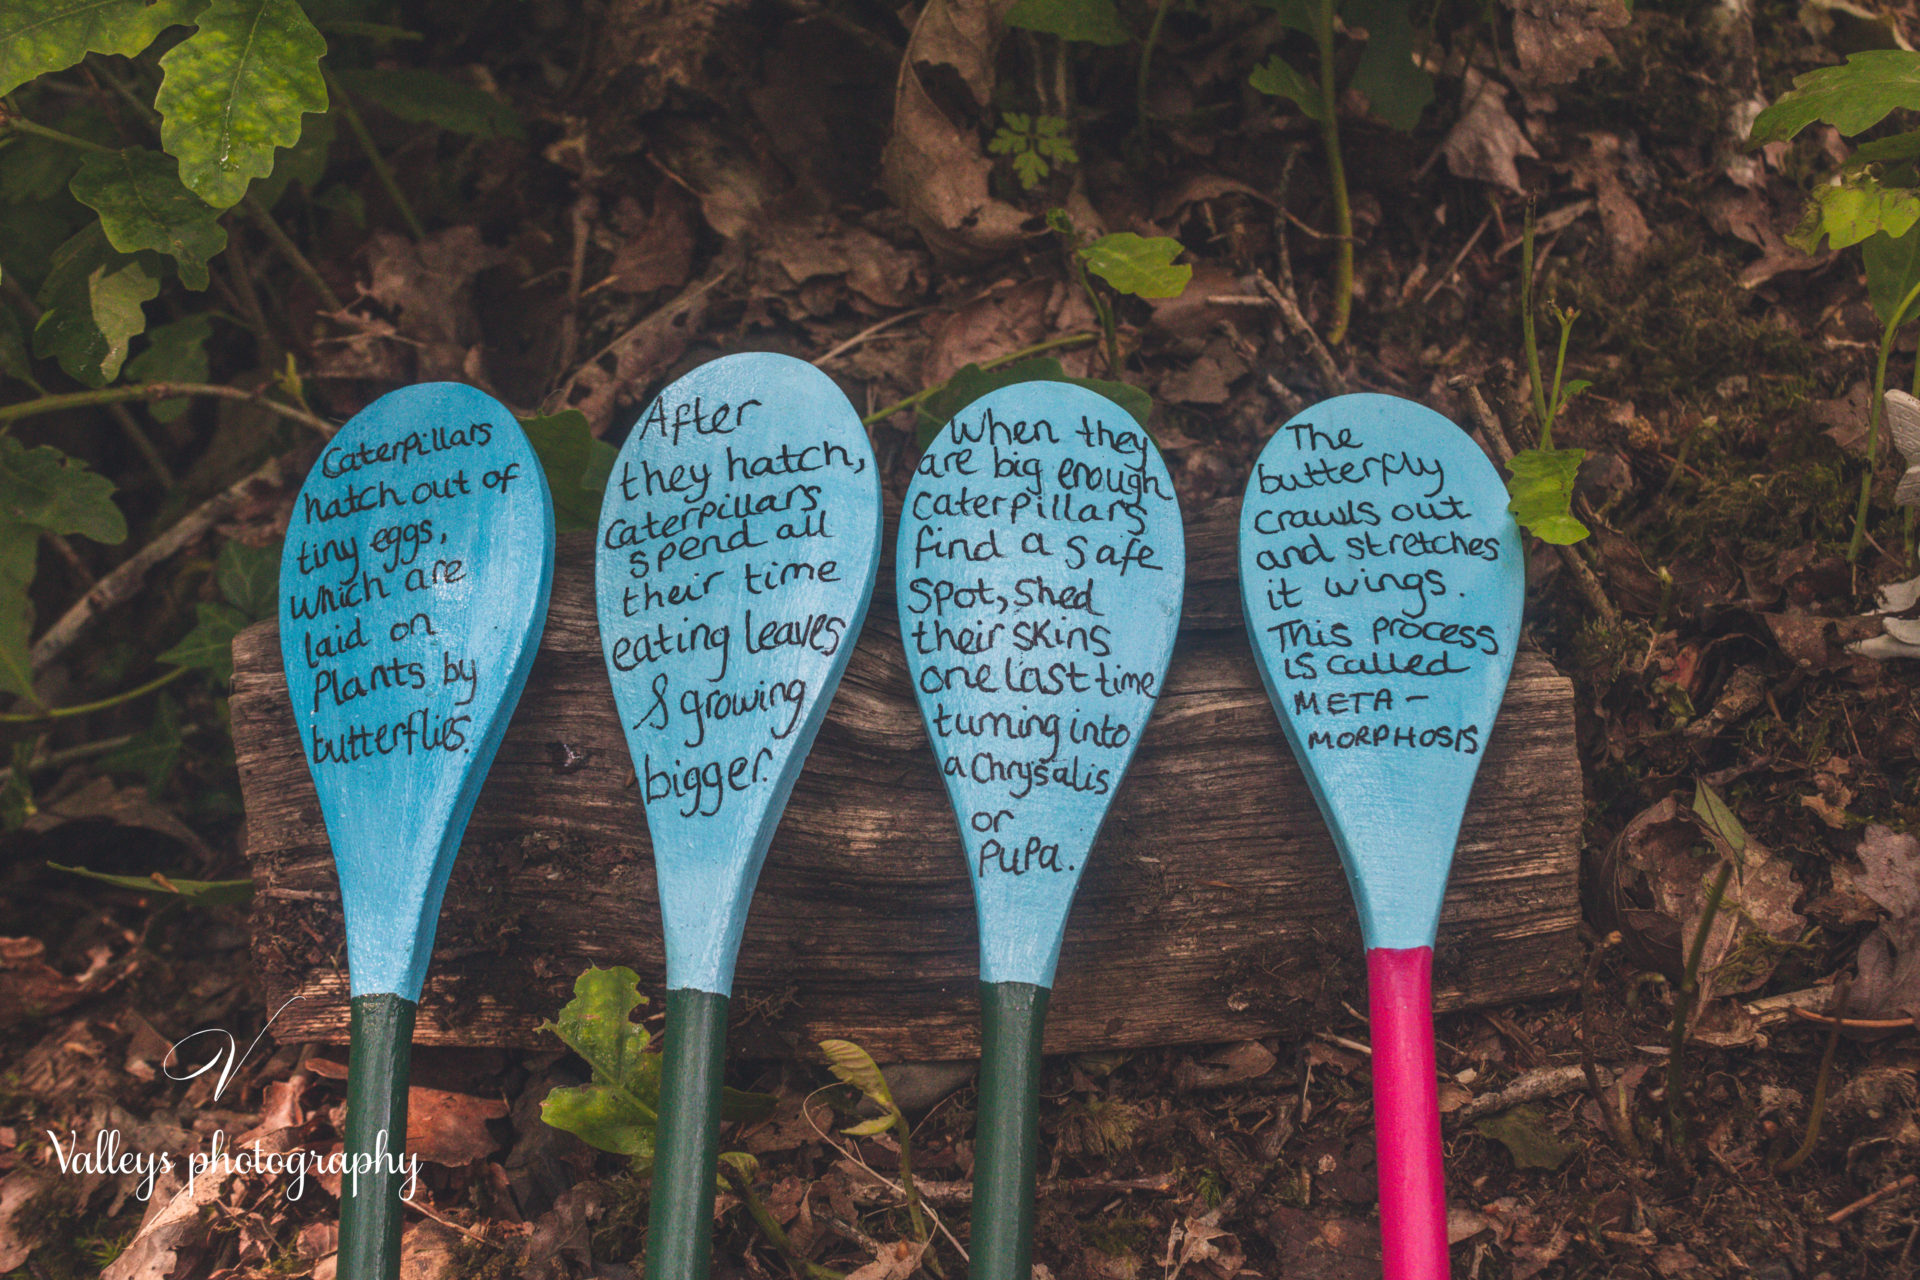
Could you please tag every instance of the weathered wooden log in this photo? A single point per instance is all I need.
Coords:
(1214, 908)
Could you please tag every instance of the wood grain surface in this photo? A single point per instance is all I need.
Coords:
(1214, 908)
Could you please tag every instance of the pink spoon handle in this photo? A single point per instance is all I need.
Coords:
(1406, 1108)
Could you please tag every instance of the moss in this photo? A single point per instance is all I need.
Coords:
(621, 1234)
(1119, 1235)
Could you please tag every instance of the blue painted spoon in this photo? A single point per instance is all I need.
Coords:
(413, 590)
(1382, 581)
(739, 539)
(1040, 565)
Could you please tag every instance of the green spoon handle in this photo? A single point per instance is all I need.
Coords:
(1006, 1140)
(380, 1029)
(686, 1155)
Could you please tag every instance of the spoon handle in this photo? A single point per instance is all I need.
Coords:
(1007, 1132)
(380, 1030)
(1406, 1108)
(686, 1156)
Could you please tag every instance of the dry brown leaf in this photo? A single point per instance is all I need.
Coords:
(29, 986)
(100, 800)
(428, 289)
(1486, 141)
(17, 1190)
(655, 250)
(1556, 40)
(451, 1128)
(1598, 171)
(1225, 1065)
(933, 168)
(656, 46)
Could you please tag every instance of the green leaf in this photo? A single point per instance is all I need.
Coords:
(209, 646)
(38, 36)
(1090, 21)
(1893, 269)
(1719, 819)
(970, 382)
(175, 352)
(249, 577)
(1851, 98)
(236, 89)
(305, 162)
(155, 750)
(143, 205)
(577, 466)
(92, 302)
(1301, 15)
(1397, 88)
(47, 490)
(34, 168)
(1031, 168)
(1901, 147)
(202, 893)
(1855, 209)
(1541, 489)
(19, 547)
(424, 97)
(855, 1066)
(1140, 265)
(620, 1108)
(1524, 1133)
(1280, 80)
(14, 361)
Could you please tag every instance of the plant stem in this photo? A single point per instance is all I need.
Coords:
(1873, 419)
(926, 393)
(1554, 403)
(1817, 1109)
(1146, 63)
(381, 169)
(1528, 337)
(770, 1227)
(921, 1231)
(291, 252)
(1337, 179)
(86, 708)
(1683, 1000)
(158, 391)
(20, 124)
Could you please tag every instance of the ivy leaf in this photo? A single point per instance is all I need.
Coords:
(1140, 265)
(1280, 80)
(1541, 489)
(1089, 21)
(1855, 209)
(93, 300)
(49, 491)
(175, 352)
(970, 382)
(424, 97)
(209, 646)
(577, 466)
(620, 1108)
(1397, 87)
(1851, 98)
(203, 893)
(143, 205)
(236, 89)
(249, 578)
(1893, 269)
(38, 36)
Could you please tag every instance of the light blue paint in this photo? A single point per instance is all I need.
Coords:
(1040, 567)
(413, 590)
(739, 539)
(1387, 694)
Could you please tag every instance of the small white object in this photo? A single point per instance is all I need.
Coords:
(1903, 420)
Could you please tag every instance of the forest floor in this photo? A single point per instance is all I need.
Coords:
(707, 181)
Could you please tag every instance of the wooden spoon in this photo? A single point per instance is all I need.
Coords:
(739, 539)
(1382, 581)
(1040, 565)
(413, 590)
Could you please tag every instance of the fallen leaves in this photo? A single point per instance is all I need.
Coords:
(1486, 142)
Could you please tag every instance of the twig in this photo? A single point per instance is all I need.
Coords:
(1290, 315)
(160, 391)
(1854, 1024)
(126, 580)
(1683, 1007)
(283, 242)
(1542, 1082)
(1839, 1216)
(1458, 258)
(99, 704)
(381, 169)
(1583, 575)
(854, 1157)
(428, 1212)
(584, 208)
(69, 755)
(867, 333)
(1619, 1126)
